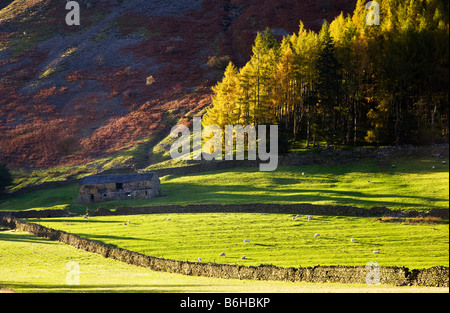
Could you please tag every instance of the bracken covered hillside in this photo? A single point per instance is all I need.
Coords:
(129, 72)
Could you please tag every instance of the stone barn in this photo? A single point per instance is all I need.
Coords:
(99, 188)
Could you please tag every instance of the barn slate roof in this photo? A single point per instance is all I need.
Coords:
(106, 179)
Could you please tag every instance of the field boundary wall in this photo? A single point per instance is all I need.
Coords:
(399, 276)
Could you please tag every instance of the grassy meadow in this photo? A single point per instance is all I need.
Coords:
(31, 264)
(275, 239)
(412, 184)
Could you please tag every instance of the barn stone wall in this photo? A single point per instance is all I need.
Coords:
(110, 192)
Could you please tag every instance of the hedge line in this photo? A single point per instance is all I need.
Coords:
(400, 276)
(294, 208)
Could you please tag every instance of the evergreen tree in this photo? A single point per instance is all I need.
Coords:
(6, 178)
(328, 87)
(260, 69)
(225, 109)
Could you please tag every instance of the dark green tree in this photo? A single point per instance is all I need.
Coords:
(6, 178)
(328, 88)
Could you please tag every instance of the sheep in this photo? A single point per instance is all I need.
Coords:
(293, 218)
(243, 258)
(309, 218)
(298, 216)
(222, 254)
(444, 162)
(353, 240)
(316, 235)
(303, 174)
(376, 251)
(168, 220)
(199, 259)
(125, 224)
(85, 217)
(246, 241)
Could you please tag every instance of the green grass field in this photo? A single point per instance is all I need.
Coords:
(274, 238)
(34, 265)
(31, 264)
(412, 184)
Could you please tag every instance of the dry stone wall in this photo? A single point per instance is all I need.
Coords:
(296, 208)
(400, 276)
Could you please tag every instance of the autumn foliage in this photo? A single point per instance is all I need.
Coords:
(350, 83)
(57, 123)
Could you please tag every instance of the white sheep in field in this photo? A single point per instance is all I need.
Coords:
(310, 218)
(222, 254)
(168, 220)
(376, 252)
(353, 240)
(316, 235)
(243, 258)
(199, 259)
(298, 216)
(246, 241)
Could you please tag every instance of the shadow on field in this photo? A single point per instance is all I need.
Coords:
(72, 221)
(101, 288)
(285, 185)
(22, 237)
(218, 194)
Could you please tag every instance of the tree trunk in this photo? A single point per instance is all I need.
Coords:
(432, 123)
(397, 123)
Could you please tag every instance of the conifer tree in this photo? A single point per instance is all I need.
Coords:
(225, 109)
(328, 87)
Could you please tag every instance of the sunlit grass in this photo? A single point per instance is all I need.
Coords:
(31, 264)
(412, 184)
(274, 238)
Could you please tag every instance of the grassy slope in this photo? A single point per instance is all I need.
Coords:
(412, 184)
(399, 188)
(274, 239)
(32, 264)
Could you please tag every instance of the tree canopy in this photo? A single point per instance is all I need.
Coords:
(352, 83)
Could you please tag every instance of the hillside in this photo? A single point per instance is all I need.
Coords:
(127, 74)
